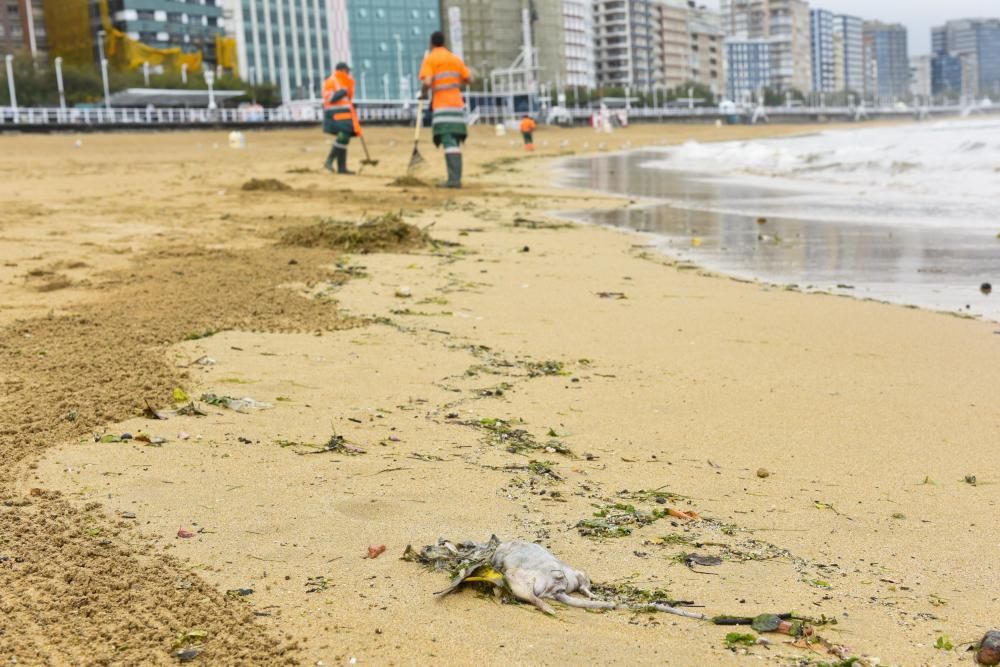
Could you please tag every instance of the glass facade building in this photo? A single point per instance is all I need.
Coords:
(748, 68)
(388, 41)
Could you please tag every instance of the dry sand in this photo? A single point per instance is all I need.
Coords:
(867, 417)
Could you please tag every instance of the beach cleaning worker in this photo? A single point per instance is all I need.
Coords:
(527, 132)
(339, 116)
(443, 74)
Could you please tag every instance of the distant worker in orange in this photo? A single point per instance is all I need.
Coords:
(339, 116)
(443, 73)
(527, 129)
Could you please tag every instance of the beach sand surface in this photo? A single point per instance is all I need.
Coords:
(135, 264)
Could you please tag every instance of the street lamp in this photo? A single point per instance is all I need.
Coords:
(399, 64)
(10, 82)
(184, 73)
(210, 82)
(364, 90)
(385, 85)
(145, 72)
(59, 84)
(104, 68)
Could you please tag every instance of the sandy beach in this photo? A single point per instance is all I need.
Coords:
(828, 444)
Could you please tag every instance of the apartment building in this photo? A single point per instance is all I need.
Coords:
(22, 28)
(977, 42)
(785, 24)
(748, 68)
(825, 48)
(848, 35)
(165, 24)
(627, 44)
(887, 61)
(578, 38)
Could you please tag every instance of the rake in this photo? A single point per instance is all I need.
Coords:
(368, 161)
(417, 159)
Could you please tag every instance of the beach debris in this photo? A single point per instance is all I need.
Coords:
(408, 182)
(944, 643)
(970, 480)
(183, 435)
(153, 440)
(376, 550)
(337, 444)
(239, 592)
(529, 572)
(236, 404)
(736, 639)
(403, 292)
(385, 233)
(763, 473)
(204, 360)
(152, 413)
(265, 185)
(528, 223)
(695, 242)
(317, 584)
(184, 534)
(612, 295)
(761, 220)
(693, 559)
(500, 432)
(988, 649)
(187, 654)
(180, 396)
(986, 288)
(191, 410)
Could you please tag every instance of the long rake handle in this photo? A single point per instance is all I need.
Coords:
(420, 122)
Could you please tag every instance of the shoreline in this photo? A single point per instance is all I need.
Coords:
(701, 229)
(689, 383)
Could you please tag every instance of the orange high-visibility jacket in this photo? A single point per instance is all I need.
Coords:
(527, 125)
(445, 73)
(338, 94)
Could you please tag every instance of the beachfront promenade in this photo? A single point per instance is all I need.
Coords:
(394, 113)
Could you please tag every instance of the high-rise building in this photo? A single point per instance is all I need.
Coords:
(671, 32)
(706, 60)
(164, 24)
(388, 41)
(887, 61)
(22, 28)
(977, 41)
(285, 43)
(946, 75)
(920, 77)
(690, 44)
(848, 34)
(578, 37)
(626, 44)
(824, 51)
(492, 36)
(748, 68)
(785, 25)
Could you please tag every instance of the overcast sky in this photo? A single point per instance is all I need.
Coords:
(917, 15)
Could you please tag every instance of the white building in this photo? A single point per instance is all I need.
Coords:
(848, 32)
(288, 43)
(920, 77)
(626, 44)
(578, 36)
(748, 68)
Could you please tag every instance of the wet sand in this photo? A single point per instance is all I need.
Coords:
(939, 268)
(867, 418)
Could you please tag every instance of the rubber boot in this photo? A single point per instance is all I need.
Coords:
(342, 162)
(328, 165)
(454, 163)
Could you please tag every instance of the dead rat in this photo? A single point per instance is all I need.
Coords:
(533, 574)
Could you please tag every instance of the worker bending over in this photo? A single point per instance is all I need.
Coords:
(443, 74)
(527, 129)
(339, 116)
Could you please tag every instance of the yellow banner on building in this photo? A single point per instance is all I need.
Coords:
(124, 52)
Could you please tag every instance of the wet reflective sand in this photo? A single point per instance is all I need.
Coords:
(921, 265)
